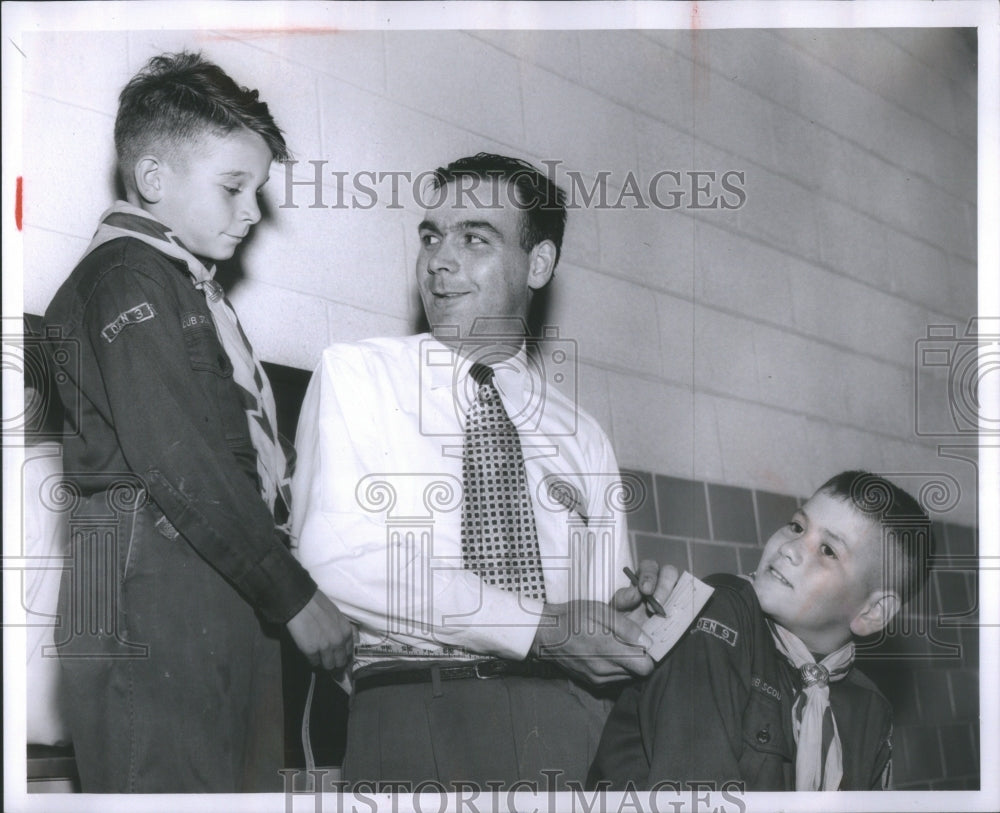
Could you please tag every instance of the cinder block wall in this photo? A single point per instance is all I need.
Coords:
(750, 351)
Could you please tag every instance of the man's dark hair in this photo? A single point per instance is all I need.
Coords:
(175, 99)
(542, 203)
(904, 525)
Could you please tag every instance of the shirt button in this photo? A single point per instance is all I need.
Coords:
(764, 736)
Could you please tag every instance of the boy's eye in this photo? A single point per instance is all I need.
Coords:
(233, 190)
(795, 526)
(826, 550)
(475, 239)
(429, 239)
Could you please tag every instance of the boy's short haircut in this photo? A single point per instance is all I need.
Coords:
(541, 201)
(177, 98)
(903, 524)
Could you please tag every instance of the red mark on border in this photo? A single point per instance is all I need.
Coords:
(18, 195)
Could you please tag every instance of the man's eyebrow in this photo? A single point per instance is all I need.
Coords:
(462, 225)
(481, 225)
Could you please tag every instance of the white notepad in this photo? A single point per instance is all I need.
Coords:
(685, 602)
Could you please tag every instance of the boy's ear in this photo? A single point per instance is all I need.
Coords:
(148, 176)
(877, 612)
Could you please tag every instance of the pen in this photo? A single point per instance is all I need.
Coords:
(651, 603)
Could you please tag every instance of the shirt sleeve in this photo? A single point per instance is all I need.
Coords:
(690, 711)
(622, 496)
(168, 432)
(354, 425)
(684, 722)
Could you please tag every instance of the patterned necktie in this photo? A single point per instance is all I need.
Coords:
(499, 539)
(819, 756)
(125, 220)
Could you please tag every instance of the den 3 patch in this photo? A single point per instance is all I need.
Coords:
(140, 313)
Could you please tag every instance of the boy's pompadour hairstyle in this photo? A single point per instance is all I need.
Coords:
(905, 526)
(541, 201)
(175, 99)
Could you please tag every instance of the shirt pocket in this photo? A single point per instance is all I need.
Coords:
(768, 758)
(205, 352)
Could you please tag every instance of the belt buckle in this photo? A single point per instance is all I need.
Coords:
(475, 669)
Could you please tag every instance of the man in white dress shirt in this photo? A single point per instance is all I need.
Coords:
(469, 668)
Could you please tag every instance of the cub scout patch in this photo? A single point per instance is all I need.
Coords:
(140, 313)
(191, 319)
(764, 687)
(713, 627)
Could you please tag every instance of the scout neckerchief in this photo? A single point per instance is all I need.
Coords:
(125, 220)
(819, 758)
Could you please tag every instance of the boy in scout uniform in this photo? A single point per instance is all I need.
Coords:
(762, 693)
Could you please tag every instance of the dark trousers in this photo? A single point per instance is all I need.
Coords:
(170, 684)
(499, 730)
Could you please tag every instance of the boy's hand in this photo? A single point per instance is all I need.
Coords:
(323, 633)
(593, 641)
(653, 581)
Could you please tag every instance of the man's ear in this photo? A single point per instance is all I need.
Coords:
(878, 610)
(149, 178)
(541, 264)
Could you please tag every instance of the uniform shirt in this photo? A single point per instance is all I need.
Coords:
(718, 708)
(377, 499)
(149, 392)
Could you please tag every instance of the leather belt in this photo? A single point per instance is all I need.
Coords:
(433, 672)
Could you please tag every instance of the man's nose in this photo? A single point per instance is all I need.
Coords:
(443, 257)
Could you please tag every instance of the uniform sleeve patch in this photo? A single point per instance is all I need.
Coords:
(140, 313)
(192, 320)
(764, 687)
(719, 630)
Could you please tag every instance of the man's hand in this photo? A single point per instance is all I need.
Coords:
(653, 581)
(323, 633)
(597, 642)
(593, 641)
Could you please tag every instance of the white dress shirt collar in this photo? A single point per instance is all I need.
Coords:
(515, 377)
